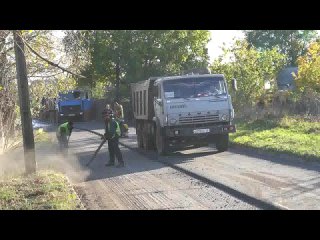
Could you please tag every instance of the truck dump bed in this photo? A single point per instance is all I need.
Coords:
(142, 99)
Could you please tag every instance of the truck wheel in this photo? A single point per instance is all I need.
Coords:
(161, 143)
(139, 139)
(146, 140)
(222, 143)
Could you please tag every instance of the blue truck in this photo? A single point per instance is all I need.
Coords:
(74, 105)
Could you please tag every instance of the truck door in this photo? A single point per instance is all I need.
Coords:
(158, 103)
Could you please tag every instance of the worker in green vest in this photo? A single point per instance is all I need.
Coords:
(63, 132)
(112, 134)
(118, 108)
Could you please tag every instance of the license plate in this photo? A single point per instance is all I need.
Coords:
(196, 131)
(71, 115)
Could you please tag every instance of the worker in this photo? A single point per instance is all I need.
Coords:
(52, 113)
(112, 134)
(64, 130)
(118, 110)
(106, 111)
(120, 118)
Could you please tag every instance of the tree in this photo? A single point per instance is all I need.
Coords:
(309, 69)
(135, 54)
(292, 43)
(27, 130)
(7, 116)
(251, 68)
(48, 88)
(38, 70)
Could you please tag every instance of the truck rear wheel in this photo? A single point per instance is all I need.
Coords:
(139, 139)
(161, 144)
(146, 140)
(222, 143)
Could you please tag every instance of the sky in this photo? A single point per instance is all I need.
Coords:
(218, 37)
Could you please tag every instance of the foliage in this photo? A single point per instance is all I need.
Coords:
(49, 89)
(139, 53)
(43, 78)
(309, 69)
(292, 43)
(251, 68)
(7, 118)
(99, 90)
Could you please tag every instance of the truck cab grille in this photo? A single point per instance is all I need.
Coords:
(71, 109)
(199, 119)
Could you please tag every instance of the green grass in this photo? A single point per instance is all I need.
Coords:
(291, 135)
(40, 137)
(41, 191)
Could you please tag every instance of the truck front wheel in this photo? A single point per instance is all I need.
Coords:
(160, 142)
(222, 143)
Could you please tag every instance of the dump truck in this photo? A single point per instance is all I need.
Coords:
(178, 112)
(74, 105)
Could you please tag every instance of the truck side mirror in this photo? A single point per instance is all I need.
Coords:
(234, 84)
(159, 101)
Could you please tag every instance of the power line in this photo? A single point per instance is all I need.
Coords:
(49, 62)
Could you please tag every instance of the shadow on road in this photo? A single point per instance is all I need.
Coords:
(283, 159)
(99, 171)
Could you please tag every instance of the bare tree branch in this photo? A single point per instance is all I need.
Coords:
(51, 63)
(44, 76)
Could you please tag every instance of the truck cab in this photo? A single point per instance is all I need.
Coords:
(74, 104)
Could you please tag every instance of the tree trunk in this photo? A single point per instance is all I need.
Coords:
(27, 130)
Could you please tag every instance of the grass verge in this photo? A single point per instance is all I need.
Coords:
(40, 137)
(41, 191)
(290, 135)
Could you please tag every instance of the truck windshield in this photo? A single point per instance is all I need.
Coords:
(194, 87)
(71, 95)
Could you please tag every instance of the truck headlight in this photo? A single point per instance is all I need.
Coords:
(81, 113)
(61, 114)
(232, 115)
(173, 121)
(224, 117)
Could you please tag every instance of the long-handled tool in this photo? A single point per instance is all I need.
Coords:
(84, 129)
(100, 146)
(96, 152)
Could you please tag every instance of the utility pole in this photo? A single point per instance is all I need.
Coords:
(26, 121)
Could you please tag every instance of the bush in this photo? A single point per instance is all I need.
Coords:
(251, 68)
(7, 118)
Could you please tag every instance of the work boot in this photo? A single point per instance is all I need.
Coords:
(108, 164)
